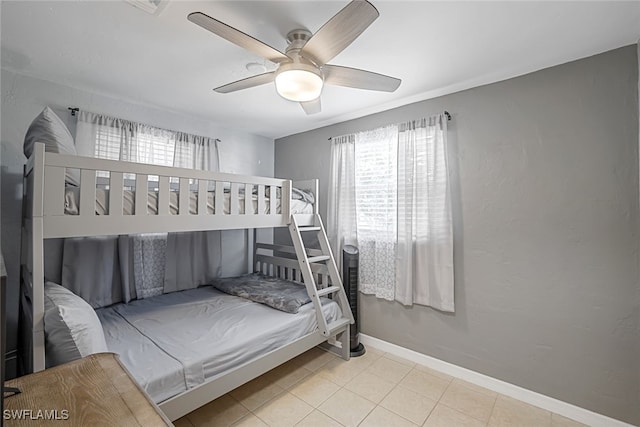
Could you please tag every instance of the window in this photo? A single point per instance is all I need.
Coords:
(107, 144)
(389, 193)
(118, 139)
(153, 148)
(376, 182)
(376, 171)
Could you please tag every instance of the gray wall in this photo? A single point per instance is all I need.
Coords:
(545, 171)
(23, 98)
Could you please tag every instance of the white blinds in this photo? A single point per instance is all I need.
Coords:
(156, 149)
(376, 180)
(107, 145)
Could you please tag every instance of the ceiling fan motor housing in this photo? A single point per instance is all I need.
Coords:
(297, 38)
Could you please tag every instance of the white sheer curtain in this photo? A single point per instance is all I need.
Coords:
(376, 207)
(389, 193)
(196, 152)
(112, 138)
(424, 270)
(341, 206)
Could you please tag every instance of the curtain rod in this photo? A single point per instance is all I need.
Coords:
(446, 113)
(74, 110)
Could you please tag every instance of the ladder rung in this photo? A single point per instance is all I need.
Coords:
(309, 229)
(327, 291)
(336, 325)
(318, 258)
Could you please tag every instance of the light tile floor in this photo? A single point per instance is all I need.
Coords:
(318, 389)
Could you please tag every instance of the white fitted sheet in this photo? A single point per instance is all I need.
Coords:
(72, 197)
(173, 342)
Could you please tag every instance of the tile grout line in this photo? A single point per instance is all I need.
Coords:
(287, 390)
(396, 385)
(495, 402)
(438, 401)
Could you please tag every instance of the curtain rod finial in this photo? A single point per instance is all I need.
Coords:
(73, 110)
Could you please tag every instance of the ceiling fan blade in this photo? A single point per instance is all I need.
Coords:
(360, 79)
(312, 107)
(339, 32)
(252, 81)
(237, 37)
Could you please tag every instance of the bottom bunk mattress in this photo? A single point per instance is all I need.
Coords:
(173, 342)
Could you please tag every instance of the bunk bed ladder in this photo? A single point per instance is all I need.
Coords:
(334, 289)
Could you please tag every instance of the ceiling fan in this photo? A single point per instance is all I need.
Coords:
(302, 69)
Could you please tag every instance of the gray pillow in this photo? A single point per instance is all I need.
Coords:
(280, 294)
(71, 327)
(51, 130)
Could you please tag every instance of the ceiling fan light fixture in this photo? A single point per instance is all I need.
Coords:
(299, 82)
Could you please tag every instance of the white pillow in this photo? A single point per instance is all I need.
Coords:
(71, 327)
(51, 130)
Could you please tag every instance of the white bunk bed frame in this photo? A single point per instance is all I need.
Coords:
(44, 218)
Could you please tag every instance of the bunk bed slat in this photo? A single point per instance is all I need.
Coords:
(233, 199)
(54, 191)
(183, 206)
(273, 198)
(261, 207)
(87, 192)
(248, 199)
(163, 195)
(116, 187)
(219, 205)
(202, 197)
(142, 183)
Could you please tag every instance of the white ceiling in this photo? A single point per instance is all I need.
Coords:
(112, 48)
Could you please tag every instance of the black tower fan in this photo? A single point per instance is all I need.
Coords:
(350, 261)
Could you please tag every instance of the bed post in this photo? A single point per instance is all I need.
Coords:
(37, 260)
(316, 196)
(285, 201)
(251, 250)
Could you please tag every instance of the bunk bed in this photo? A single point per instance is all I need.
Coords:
(183, 200)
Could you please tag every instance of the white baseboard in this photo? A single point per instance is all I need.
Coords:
(540, 400)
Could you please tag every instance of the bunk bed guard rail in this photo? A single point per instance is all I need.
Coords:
(182, 200)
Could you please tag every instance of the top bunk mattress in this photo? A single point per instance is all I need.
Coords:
(301, 202)
(173, 342)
